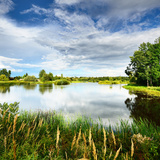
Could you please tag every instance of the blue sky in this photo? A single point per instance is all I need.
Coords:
(74, 37)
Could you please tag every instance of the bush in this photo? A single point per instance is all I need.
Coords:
(3, 78)
(30, 78)
(62, 82)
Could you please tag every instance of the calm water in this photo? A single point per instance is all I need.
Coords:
(110, 103)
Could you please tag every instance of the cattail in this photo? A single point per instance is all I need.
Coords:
(113, 136)
(73, 142)
(132, 148)
(90, 137)
(117, 153)
(94, 151)
(58, 133)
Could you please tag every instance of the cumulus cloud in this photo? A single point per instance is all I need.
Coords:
(5, 6)
(78, 39)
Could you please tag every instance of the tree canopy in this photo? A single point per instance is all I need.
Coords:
(144, 67)
(5, 72)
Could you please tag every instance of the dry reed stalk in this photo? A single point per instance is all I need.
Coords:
(94, 151)
(78, 138)
(113, 136)
(105, 149)
(58, 133)
(126, 156)
(34, 119)
(9, 117)
(14, 125)
(73, 142)
(21, 127)
(4, 114)
(90, 138)
(66, 155)
(117, 153)
(110, 155)
(85, 148)
(9, 127)
(132, 148)
(28, 132)
(14, 142)
(40, 123)
(5, 143)
(34, 128)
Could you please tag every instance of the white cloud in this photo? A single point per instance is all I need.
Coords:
(5, 6)
(37, 10)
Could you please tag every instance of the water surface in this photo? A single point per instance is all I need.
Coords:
(110, 103)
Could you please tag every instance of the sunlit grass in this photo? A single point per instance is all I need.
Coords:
(47, 135)
(151, 91)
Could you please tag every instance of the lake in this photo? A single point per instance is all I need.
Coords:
(110, 103)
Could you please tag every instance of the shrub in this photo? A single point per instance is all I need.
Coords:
(3, 78)
(30, 78)
(62, 82)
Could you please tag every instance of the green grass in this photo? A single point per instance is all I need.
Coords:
(113, 82)
(151, 91)
(47, 135)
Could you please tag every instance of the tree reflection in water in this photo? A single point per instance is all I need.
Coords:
(45, 88)
(4, 88)
(144, 107)
(29, 86)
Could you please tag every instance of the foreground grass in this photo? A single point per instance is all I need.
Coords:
(46, 135)
(151, 91)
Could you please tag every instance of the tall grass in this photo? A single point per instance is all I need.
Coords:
(47, 135)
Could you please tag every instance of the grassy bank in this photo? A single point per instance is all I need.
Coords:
(113, 82)
(151, 91)
(46, 135)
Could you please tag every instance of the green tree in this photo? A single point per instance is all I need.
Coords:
(41, 73)
(30, 78)
(3, 78)
(144, 66)
(5, 72)
(50, 75)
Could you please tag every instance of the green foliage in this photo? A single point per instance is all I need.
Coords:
(61, 82)
(3, 78)
(30, 78)
(47, 135)
(5, 72)
(41, 73)
(144, 68)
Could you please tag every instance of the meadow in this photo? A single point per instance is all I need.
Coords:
(48, 135)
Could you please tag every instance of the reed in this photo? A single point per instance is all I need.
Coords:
(46, 135)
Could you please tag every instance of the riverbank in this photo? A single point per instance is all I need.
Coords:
(150, 91)
(113, 82)
(47, 135)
